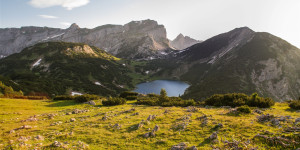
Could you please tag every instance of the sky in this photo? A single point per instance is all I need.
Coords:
(199, 19)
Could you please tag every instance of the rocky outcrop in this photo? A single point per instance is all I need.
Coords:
(182, 42)
(137, 39)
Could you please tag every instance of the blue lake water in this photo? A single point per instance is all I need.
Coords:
(173, 87)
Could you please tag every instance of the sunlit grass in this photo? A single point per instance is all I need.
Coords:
(99, 134)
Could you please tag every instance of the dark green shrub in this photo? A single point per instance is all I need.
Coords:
(231, 99)
(163, 93)
(244, 109)
(163, 100)
(239, 99)
(152, 101)
(114, 101)
(295, 104)
(63, 97)
(131, 98)
(239, 102)
(128, 94)
(256, 101)
(152, 95)
(86, 98)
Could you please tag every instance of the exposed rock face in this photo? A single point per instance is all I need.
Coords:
(137, 39)
(182, 42)
(13, 40)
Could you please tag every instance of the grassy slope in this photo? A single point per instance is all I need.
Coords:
(61, 71)
(98, 134)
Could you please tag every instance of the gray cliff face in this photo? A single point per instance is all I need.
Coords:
(182, 42)
(13, 40)
(148, 36)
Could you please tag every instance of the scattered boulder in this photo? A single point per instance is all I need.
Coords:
(23, 127)
(51, 116)
(234, 145)
(71, 133)
(193, 148)
(156, 128)
(297, 120)
(283, 141)
(275, 122)
(203, 119)
(213, 136)
(192, 109)
(233, 111)
(39, 137)
(219, 125)
(82, 145)
(265, 118)
(135, 114)
(292, 129)
(146, 135)
(90, 103)
(69, 113)
(72, 120)
(258, 111)
(24, 145)
(180, 146)
(31, 119)
(117, 126)
(58, 144)
(56, 123)
(226, 107)
(129, 111)
(140, 125)
(105, 117)
(23, 138)
(151, 117)
(78, 111)
(282, 118)
(12, 131)
(152, 133)
(185, 117)
(26, 127)
(181, 126)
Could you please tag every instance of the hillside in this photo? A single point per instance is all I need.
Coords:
(240, 60)
(28, 124)
(64, 68)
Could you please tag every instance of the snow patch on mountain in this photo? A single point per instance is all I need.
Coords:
(38, 62)
(75, 93)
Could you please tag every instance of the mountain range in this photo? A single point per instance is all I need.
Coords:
(240, 60)
(134, 40)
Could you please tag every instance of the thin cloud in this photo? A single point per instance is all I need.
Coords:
(65, 24)
(47, 16)
(68, 4)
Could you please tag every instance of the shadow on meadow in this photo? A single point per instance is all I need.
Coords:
(63, 103)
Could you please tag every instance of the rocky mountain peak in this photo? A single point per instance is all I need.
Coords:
(183, 42)
(179, 36)
(242, 30)
(74, 26)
